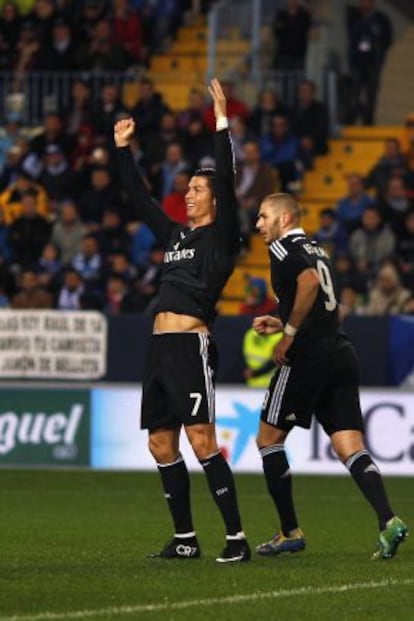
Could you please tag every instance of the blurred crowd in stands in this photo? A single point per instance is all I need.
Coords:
(68, 35)
(68, 238)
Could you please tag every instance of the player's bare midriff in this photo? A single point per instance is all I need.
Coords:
(171, 322)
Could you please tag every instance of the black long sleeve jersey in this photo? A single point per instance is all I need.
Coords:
(289, 256)
(199, 261)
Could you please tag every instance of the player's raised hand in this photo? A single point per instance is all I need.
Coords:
(123, 131)
(219, 100)
(266, 324)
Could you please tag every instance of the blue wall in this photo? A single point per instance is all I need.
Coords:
(129, 337)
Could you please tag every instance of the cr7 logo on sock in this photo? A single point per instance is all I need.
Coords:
(183, 550)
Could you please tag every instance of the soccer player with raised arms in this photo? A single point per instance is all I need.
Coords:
(318, 376)
(178, 384)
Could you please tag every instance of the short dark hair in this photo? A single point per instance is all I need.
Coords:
(209, 174)
(328, 211)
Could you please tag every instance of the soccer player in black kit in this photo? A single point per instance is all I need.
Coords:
(318, 376)
(178, 384)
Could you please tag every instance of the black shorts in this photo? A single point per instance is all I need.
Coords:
(322, 381)
(179, 380)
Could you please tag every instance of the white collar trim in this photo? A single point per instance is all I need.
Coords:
(297, 231)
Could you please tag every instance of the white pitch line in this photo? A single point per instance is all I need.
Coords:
(231, 599)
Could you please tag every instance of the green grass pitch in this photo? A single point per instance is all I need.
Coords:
(73, 546)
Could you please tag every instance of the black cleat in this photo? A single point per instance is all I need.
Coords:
(179, 548)
(236, 551)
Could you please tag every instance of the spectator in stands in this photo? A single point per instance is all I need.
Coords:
(142, 240)
(57, 177)
(71, 291)
(268, 105)
(107, 112)
(11, 168)
(395, 203)
(387, 296)
(331, 235)
(149, 110)
(31, 294)
(79, 112)
(147, 284)
(197, 141)
(291, 30)
(258, 356)
(102, 52)
(350, 208)
(10, 26)
(310, 122)
(240, 134)
(27, 53)
(161, 20)
(48, 267)
(53, 133)
(195, 109)
(118, 297)
(81, 157)
(68, 232)
(88, 263)
(280, 148)
(409, 177)
(371, 243)
(173, 163)
(29, 232)
(254, 180)
(128, 30)
(9, 134)
(235, 107)
(91, 12)
(347, 276)
(6, 55)
(405, 250)
(391, 164)
(112, 236)
(369, 38)
(174, 203)
(29, 161)
(6, 254)
(43, 17)
(350, 302)
(257, 301)
(101, 195)
(11, 200)
(120, 265)
(4, 298)
(58, 52)
(157, 142)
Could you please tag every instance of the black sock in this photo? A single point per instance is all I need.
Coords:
(368, 478)
(221, 484)
(176, 483)
(279, 484)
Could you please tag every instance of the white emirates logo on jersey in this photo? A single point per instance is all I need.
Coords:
(179, 255)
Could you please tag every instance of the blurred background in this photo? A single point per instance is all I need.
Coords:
(320, 105)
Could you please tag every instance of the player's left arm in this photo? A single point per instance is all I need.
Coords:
(307, 288)
(227, 219)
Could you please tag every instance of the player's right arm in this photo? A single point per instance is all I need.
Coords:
(145, 208)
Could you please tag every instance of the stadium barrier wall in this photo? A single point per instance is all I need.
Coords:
(98, 427)
(87, 346)
(128, 338)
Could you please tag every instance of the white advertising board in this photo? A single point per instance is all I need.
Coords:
(117, 441)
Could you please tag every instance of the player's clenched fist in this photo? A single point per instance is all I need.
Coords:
(123, 131)
(266, 324)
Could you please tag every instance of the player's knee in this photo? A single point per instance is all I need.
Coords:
(269, 435)
(203, 442)
(163, 452)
